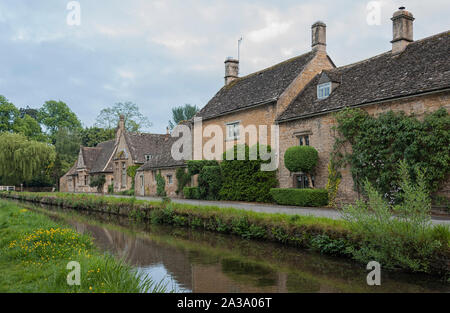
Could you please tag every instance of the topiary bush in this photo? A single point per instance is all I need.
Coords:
(191, 192)
(300, 197)
(301, 158)
(243, 180)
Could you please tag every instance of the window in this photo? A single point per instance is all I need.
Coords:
(169, 179)
(86, 180)
(154, 175)
(301, 181)
(148, 157)
(323, 90)
(124, 175)
(233, 131)
(303, 140)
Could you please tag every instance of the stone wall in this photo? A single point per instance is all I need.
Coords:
(149, 178)
(321, 137)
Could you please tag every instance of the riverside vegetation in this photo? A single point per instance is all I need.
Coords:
(35, 251)
(368, 231)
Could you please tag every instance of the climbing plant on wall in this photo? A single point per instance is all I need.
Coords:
(379, 143)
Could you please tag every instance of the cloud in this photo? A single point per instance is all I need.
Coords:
(161, 54)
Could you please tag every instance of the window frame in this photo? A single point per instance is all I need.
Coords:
(321, 88)
(236, 127)
(169, 179)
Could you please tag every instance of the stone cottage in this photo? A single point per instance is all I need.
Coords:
(112, 159)
(413, 77)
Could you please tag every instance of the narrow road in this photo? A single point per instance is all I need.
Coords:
(270, 208)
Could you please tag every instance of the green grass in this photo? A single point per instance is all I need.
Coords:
(36, 250)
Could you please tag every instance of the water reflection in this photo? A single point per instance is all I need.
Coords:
(197, 261)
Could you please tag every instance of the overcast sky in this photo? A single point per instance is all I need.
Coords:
(162, 54)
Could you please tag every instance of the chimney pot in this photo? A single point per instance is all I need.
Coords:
(319, 36)
(402, 29)
(231, 70)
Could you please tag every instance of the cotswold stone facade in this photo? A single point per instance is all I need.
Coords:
(300, 95)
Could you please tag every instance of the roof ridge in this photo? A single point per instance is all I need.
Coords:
(269, 68)
(388, 52)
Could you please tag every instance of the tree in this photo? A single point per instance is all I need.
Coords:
(92, 136)
(34, 113)
(182, 113)
(67, 146)
(55, 115)
(21, 159)
(8, 114)
(301, 159)
(134, 119)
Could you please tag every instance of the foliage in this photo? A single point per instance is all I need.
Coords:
(195, 166)
(17, 121)
(300, 197)
(183, 179)
(210, 182)
(98, 181)
(131, 172)
(134, 119)
(92, 136)
(22, 159)
(111, 188)
(334, 180)
(296, 230)
(301, 159)
(160, 185)
(191, 192)
(400, 235)
(182, 113)
(243, 180)
(379, 143)
(35, 251)
(55, 115)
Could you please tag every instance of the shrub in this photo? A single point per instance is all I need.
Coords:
(191, 192)
(98, 181)
(243, 180)
(195, 166)
(401, 235)
(210, 182)
(379, 143)
(183, 178)
(301, 159)
(111, 188)
(300, 197)
(160, 185)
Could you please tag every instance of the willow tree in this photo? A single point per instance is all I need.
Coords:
(21, 159)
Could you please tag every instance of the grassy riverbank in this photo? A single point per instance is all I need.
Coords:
(333, 237)
(35, 252)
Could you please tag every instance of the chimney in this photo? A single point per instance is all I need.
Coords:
(402, 26)
(122, 123)
(231, 70)
(319, 36)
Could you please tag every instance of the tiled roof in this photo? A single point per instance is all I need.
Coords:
(101, 163)
(261, 87)
(141, 144)
(164, 157)
(90, 156)
(423, 66)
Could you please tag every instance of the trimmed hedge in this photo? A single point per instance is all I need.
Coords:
(300, 197)
(191, 192)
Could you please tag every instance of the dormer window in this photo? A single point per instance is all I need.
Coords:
(148, 157)
(323, 90)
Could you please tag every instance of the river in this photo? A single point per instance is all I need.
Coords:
(199, 261)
